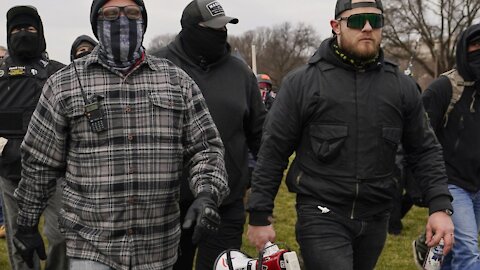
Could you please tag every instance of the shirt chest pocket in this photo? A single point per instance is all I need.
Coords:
(328, 140)
(167, 114)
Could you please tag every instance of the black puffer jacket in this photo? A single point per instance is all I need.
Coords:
(345, 126)
(231, 92)
(461, 136)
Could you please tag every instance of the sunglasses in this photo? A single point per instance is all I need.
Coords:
(112, 13)
(358, 21)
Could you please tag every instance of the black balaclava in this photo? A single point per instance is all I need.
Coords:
(468, 64)
(473, 59)
(78, 41)
(205, 45)
(23, 45)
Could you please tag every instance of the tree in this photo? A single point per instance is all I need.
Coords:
(436, 23)
(280, 49)
(160, 41)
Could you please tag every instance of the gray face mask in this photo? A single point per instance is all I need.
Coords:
(120, 41)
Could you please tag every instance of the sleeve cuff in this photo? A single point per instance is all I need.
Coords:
(260, 218)
(439, 204)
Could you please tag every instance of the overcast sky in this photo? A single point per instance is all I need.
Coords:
(64, 20)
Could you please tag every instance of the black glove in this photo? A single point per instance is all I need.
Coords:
(27, 240)
(203, 212)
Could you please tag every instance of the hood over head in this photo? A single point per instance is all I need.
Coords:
(25, 15)
(79, 40)
(471, 33)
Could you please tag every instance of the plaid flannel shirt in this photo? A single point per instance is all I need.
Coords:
(121, 185)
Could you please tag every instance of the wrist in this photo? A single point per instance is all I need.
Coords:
(260, 218)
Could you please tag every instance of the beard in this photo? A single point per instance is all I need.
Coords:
(362, 51)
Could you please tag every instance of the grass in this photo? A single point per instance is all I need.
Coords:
(397, 253)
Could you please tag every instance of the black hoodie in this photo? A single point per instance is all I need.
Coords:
(461, 137)
(231, 92)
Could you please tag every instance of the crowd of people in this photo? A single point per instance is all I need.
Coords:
(140, 161)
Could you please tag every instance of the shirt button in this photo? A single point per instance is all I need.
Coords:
(128, 109)
(131, 199)
(130, 137)
(130, 231)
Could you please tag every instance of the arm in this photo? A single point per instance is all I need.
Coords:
(204, 151)
(43, 161)
(424, 156)
(436, 99)
(253, 123)
(282, 131)
(43, 158)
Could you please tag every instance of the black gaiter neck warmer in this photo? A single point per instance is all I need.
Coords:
(205, 45)
(120, 42)
(474, 64)
(24, 45)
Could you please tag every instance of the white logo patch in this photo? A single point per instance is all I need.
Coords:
(215, 9)
(2, 73)
(34, 71)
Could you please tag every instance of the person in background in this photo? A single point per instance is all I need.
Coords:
(3, 52)
(81, 46)
(266, 90)
(344, 115)
(119, 126)
(457, 126)
(232, 95)
(22, 75)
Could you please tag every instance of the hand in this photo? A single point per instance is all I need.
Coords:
(27, 240)
(204, 213)
(258, 236)
(440, 226)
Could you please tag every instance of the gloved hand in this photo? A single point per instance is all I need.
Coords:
(204, 213)
(27, 240)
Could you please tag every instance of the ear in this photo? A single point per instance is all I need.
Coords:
(335, 26)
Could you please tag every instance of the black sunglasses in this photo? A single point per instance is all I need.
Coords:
(112, 13)
(358, 21)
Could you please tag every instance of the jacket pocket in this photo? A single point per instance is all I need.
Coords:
(389, 143)
(167, 112)
(327, 140)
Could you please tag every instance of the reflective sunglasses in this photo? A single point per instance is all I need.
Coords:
(112, 13)
(358, 21)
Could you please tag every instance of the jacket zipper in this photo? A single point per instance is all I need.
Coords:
(356, 149)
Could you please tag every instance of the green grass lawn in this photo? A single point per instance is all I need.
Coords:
(396, 255)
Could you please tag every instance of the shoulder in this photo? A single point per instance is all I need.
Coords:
(164, 65)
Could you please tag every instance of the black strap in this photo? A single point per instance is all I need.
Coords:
(229, 259)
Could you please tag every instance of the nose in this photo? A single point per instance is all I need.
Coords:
(367, 26)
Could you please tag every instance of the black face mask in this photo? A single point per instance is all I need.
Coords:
(474, 63)
(24, 45)
(205, 45)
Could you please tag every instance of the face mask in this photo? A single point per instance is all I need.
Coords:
(474, 63)
(24, 45)
(120, 41)
(204, 43)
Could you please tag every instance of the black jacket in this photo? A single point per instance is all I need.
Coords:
(345, 126)
(20, 88)
(231, 92)
(461, 136)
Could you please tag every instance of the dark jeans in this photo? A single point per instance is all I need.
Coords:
(329, 241)
(229, 236)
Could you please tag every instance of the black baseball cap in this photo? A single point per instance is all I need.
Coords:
(208, 12)
(343, 5)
